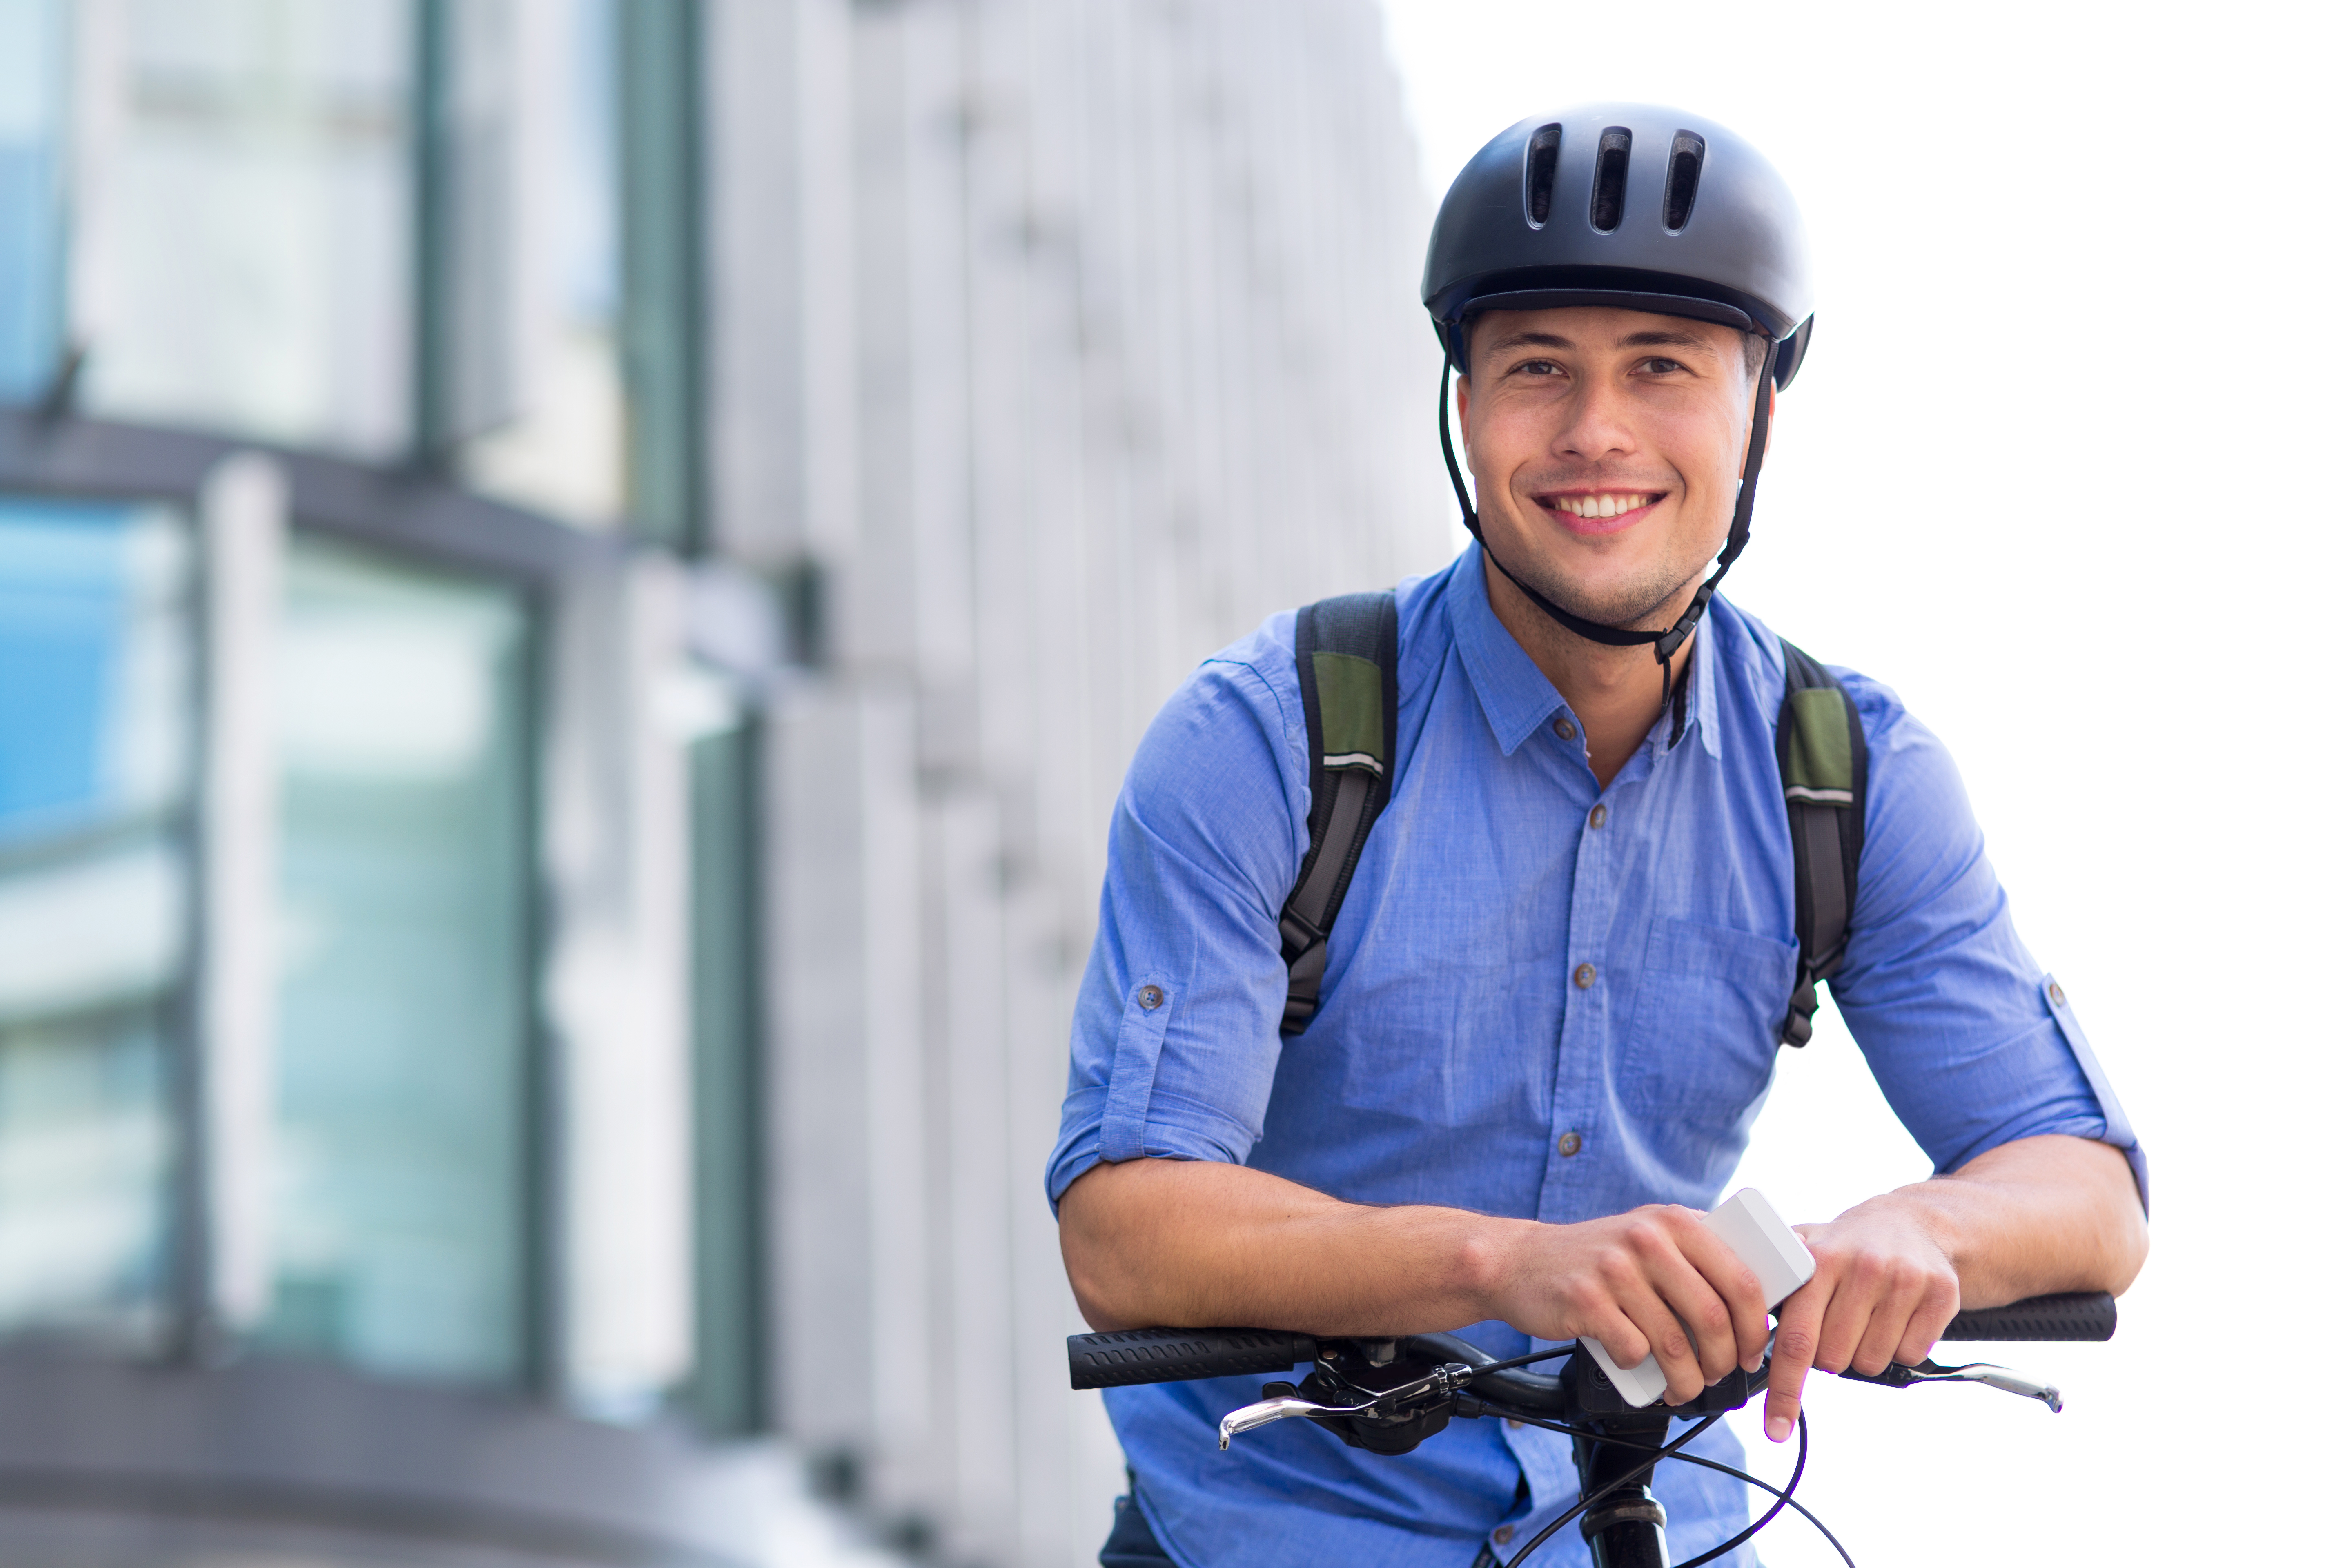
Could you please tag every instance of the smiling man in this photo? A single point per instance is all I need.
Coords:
(1497, 1090)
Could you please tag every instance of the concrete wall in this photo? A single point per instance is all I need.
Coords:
(1059, 342)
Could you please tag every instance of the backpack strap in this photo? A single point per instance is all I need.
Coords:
(1825, 776)
(1347, 679)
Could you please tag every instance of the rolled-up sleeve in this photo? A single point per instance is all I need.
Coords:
(1972, 1044)
(1177, 1029)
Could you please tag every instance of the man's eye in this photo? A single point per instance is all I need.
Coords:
(1540, 367)
(1661, 365)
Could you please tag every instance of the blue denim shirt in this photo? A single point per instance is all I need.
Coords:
(1454, 1049)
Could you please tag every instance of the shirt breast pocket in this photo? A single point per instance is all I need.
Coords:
(1707, 1024)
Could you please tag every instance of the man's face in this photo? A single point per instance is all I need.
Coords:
(1608, 446)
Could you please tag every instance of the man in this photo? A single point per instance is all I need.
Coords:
(1553, 995)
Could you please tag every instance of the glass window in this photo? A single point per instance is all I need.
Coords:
(245, 264)
(32, 72)
(560, 451)
(95, 699)
(403, 1056)
(726, 1391)
(661, 268)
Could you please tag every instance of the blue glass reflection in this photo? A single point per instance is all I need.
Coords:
(32, 62)
(95, 656)
(65, 591)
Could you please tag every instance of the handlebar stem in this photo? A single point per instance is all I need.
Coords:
(1628, 1528)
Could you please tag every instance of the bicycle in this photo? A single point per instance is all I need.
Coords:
(1388, 1396)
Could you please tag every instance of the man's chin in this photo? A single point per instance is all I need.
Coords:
(1623, 607)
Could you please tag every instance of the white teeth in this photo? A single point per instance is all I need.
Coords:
(1600, 506)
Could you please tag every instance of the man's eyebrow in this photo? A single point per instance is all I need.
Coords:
(1648, 338)
(1528, 340)
(1662, 338)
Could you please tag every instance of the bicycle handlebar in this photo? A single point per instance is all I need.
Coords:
(2078, 1315)
(1131, 1356)
(1179, 1355)
(1387, 1397)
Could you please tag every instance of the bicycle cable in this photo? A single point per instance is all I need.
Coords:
(1528, 1360)
(1809, 1516)
(1634, 1477)
(1783, 1495)
(1784, 1498)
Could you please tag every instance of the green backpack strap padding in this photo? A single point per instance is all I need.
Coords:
(1347, 650)
(1825, 778)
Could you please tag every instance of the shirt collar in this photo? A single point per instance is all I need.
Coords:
(1517, 697)
(1515, 694)
(1705, 657)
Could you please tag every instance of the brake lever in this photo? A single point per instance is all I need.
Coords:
(1265, 1412)
(1439, 1383)
(1898, 1375)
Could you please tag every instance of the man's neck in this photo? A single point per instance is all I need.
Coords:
(1612, 691)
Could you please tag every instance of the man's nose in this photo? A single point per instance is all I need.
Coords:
(1595, 423)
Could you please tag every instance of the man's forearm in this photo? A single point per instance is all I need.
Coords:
(2034, 1216)
(1192, 1244)
(1196, 1244)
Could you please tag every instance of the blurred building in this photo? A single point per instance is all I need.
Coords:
(576, 580)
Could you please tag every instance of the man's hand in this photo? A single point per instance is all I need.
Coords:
(2025, 1219)
(1882, 1291)
(1657, 1281)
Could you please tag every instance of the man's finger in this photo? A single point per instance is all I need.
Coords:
(1890, 1321)
(1704, 1321)
(1793, 1353)
(1621, 1336)
(1716, 1297)
(1672, 1346)
(1734, 1284)
(1928, 1322)
(1844, 1319)
(1670, 1301)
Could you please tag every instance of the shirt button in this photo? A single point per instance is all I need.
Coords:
(1150, 996)
(2057, 994)
(1563, 729)
(1569, 1142)
(1585, 976)
(1600, 815)
(1503, 1532)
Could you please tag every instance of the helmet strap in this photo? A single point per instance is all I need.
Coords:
(1664, 644)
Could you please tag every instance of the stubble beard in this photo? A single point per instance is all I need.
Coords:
(1657, 597)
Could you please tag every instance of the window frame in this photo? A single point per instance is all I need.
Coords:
(426, 521)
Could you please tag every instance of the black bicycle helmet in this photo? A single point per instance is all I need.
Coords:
(1636, 206)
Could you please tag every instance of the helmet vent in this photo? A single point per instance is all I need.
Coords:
(1609, 178)
(1543, 163)
(1682, 177)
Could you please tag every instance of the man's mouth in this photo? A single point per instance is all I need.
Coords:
(1600, 506)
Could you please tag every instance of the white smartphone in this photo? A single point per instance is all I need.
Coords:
(1773, 1252)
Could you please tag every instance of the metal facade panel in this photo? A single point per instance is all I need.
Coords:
(1109, 348)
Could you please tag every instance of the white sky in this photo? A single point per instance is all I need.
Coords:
(2066, 466)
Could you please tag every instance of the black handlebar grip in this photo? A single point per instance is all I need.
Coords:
(1179, 1355)
(2081, 1315)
